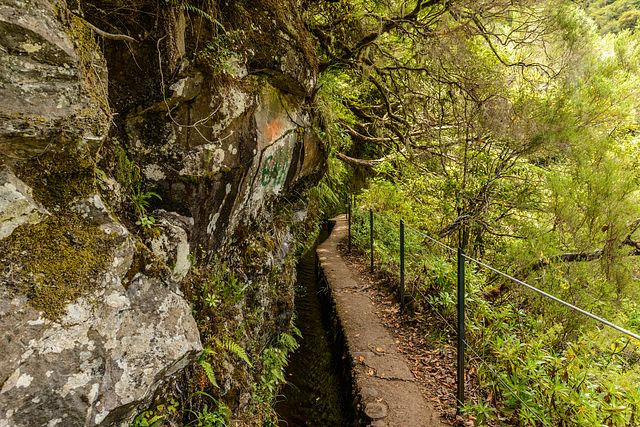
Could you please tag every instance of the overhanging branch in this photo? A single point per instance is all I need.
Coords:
(358, 162)
(106, 35)
(388, 25)
(586, 256)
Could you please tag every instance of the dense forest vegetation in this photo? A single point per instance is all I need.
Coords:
(614, 16)
(509, 129)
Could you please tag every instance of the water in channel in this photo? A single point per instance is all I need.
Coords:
(317, 392)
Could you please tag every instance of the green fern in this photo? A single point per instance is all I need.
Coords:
(208, 370)
(295, 331)
(189, 8)
(288, 342)
(235, 349)
(206, 366)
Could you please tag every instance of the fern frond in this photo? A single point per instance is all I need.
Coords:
(233, 348)
(206, 351)
(295, 331)
(208, 371)
(193, 9)
(288, 342)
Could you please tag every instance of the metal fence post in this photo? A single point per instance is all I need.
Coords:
(402, 264)
(371, 236)
(461, 340)
(349, 221)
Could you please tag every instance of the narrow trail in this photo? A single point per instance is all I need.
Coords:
(390, 394)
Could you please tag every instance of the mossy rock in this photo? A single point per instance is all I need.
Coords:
(57, 260)
(60, 177)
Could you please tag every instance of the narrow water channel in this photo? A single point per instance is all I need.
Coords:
(317, 392)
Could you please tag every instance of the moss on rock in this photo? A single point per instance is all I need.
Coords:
(59, 178)
(56, 261)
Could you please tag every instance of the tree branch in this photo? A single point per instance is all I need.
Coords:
(585, 256)
(389, 25)
(358, 162)
(106, 35)
(567, 257)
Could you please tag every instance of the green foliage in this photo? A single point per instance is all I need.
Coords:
(206, 366)
(233, 348)
(234, 321)
(329, 194)
(220, 54)
(215, 291)
(127, 173)
(147, 419)
(561, 178)
(614, 15)
(273, 362)
(157, 416)
(190, 8)
(141, 201)
(514, 137)
(216, 416)
(529, 373)
(208, 370)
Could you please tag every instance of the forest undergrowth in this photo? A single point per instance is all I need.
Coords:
(527, 362)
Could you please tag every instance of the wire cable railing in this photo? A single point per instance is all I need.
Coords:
(556, 299)
(462, 342)
(522, 283)
(482, 360)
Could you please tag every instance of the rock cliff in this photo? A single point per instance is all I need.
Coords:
(154, 162)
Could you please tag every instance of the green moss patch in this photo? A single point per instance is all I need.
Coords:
(56, 261)
(59, 178)
(145, 261)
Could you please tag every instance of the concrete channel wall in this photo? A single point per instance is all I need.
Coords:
(385, 392)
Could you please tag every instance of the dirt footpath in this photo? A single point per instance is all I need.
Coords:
(388, 390)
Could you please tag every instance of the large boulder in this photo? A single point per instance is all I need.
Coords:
(106, 352)
(99, 361)
(51, 78)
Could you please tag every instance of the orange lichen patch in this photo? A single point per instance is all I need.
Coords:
(274, 129)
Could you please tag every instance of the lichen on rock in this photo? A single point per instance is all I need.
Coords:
(94, 364)
(47, 83)
(17, 206)
(54, 262)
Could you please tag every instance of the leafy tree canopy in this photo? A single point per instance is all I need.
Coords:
(613, 16)
(510, 128)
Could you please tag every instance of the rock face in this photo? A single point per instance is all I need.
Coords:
(44, 80)
(97, 361)
(83, 343)
(16, 204)
(171, 245)
(127, 168)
